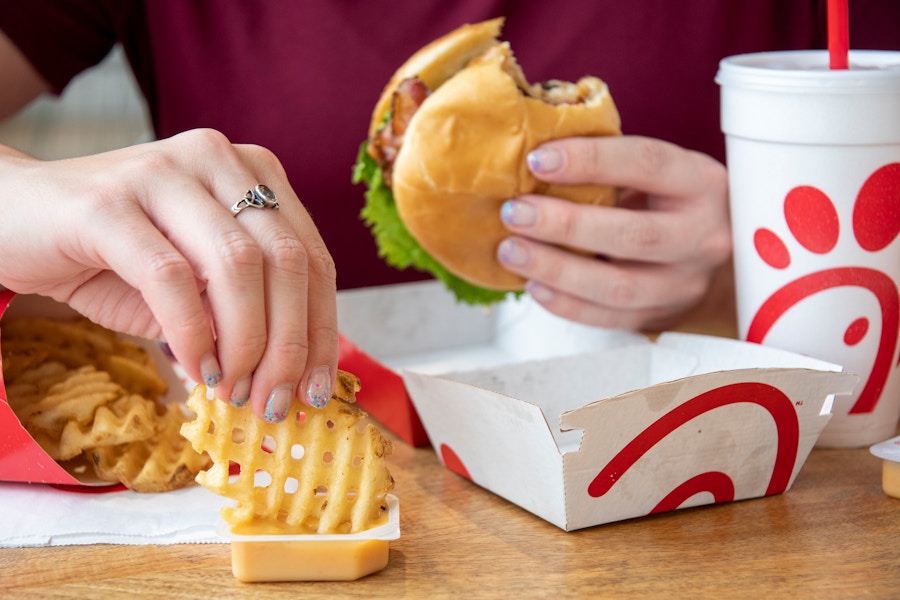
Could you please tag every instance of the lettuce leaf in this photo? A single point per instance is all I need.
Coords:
(396, 245)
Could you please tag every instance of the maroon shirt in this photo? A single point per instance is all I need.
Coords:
(302, 76)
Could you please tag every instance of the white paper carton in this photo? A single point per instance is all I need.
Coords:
(582, 426)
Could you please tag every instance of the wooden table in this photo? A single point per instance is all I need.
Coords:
(834, 534)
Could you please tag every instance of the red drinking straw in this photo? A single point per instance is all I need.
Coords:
(838, 34)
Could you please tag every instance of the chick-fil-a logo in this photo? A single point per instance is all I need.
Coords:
(814, 223)
(718, 484)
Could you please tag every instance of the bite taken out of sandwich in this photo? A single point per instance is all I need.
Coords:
(447, 146)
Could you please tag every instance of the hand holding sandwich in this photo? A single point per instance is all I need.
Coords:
(463, 150)
(639, 264)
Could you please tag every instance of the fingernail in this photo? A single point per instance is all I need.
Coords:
(318, 393)
(512, 252)
(240, 393)
(516, 212)
(278, 404)
(545, 160)
(210, 371)
(540, 292)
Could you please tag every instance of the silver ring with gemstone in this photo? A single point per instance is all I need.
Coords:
(259, 197)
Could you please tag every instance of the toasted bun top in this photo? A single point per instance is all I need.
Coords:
(464, 154)
(439, 60)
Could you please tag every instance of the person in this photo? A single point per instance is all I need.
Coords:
(279, 93)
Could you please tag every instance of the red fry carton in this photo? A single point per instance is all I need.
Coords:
(383, 395)
(21, 457)
(582, 426)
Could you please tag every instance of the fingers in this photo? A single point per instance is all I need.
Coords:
(609, 231)
(604, 293)
(246, 302)
(683, 196)
(640, 263)
(210, 322)
(580, 310)
(164, 277)
(650, 165)
(300, 357)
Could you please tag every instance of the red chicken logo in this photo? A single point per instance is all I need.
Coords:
(813, 221)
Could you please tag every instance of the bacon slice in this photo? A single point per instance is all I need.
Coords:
(385, 145)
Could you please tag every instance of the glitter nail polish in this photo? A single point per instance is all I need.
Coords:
(240, 393)
(318, 392)
(210, 371)
(278, 404)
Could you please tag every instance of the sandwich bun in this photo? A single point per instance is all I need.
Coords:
(463, 152)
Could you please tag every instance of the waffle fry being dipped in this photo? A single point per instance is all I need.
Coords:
(321, 471)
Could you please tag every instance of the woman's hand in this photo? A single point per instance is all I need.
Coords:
(142, 241)
(644, 262)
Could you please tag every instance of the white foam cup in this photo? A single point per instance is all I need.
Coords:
(814, 181)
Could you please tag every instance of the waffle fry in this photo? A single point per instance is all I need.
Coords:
(32, 385)
(74, 398)
(19, 357)
(77, 343)
(319, 471)
(130, 418)
(165, 461)
(136, 376)
(85, 394)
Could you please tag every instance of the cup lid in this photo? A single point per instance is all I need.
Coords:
(807, 71)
